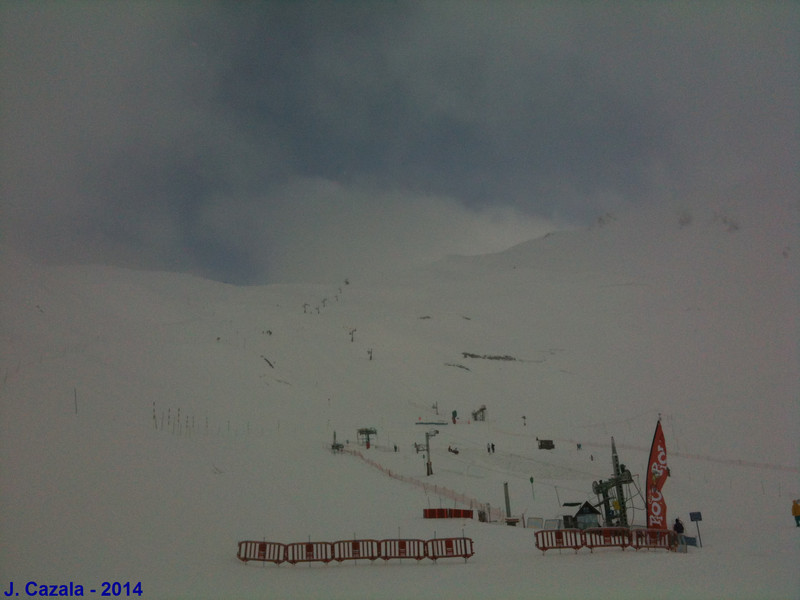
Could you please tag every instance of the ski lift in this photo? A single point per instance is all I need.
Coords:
(364, 435)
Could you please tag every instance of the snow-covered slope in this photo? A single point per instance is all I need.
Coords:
(150, 421)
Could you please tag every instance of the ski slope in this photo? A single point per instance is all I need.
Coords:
(150, 421)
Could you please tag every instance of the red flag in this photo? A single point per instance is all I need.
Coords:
(657, 473)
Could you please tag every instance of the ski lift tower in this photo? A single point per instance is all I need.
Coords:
(428, 464)
(480, 414)
(613, 487)
(364, 434)
(336, 446)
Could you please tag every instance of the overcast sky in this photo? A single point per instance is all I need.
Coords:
(304, 141)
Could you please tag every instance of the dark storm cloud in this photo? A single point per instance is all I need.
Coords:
(276, 140)
(435, 98)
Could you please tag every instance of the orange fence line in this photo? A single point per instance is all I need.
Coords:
(491, 512)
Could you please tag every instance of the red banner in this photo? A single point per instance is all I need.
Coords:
(657, 473)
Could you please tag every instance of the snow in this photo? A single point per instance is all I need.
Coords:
(609, 328)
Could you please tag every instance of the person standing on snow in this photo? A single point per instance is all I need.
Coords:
(678, 528)
(796, 512)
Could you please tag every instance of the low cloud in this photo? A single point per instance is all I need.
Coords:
(256, 142)
(321, 230)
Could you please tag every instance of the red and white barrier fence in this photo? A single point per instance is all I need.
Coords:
(449, 548)
(355, 549)
(548, 539)
(605, 537)
(262, 551)
(447, 513)
(342, 550)
(415, 549)
(309, 552)
(654, 538)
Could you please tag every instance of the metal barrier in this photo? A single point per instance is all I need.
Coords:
(449, 548)
(325, 552)
(558, 539)
(665, 539)
(261, 551)
(607, 537)
(309, 552)
(355, 549)
(447, 513)
(415, 549)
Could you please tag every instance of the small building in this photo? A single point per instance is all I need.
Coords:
(546, 444)
(587, 516)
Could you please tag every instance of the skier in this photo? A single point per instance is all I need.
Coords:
(796, 512)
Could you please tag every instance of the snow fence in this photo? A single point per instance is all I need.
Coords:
(605, 537)
(325, 552)
(492, 513)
